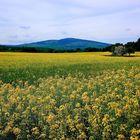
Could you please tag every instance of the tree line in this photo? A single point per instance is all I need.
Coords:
(125, 49)
(129, 48)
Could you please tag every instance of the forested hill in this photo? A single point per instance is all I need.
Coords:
(67, 44)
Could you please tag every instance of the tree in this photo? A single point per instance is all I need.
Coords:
(130, 47)
(137, 45)
(119, 51)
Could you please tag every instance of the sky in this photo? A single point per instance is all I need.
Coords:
(110, 21)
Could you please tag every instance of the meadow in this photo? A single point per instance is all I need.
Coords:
(69, 96)
(32, 66)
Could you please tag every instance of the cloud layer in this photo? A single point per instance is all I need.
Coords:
(32, 20)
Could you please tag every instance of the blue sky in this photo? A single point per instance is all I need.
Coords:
(35, 20)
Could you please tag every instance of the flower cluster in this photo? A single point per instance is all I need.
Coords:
(105, 106)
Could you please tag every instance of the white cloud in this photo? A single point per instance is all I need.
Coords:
(32, 20)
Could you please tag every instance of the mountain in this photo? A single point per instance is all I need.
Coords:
(66, 44)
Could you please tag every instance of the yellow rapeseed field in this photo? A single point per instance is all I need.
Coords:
(32, 66)
(69, 96)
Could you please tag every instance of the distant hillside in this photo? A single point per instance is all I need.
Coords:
(66, 44)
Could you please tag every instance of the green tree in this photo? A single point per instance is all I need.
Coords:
(137, 45)
(130, 47)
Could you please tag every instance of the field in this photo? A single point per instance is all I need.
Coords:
(69, 96)
(32, 66)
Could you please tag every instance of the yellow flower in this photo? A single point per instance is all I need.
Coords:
(121, 137)
(135, 131)
(77, 105)
(42, 136)
(85, 97)
(123, 127)
(35, 130)
(79, 126)
(55, 126)
(119, 112)
(7, 114)
(50, 118)
(72, 96)
(8, 129)
(82, 136)
(134, 138)
(106, 119)
(16, 131)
